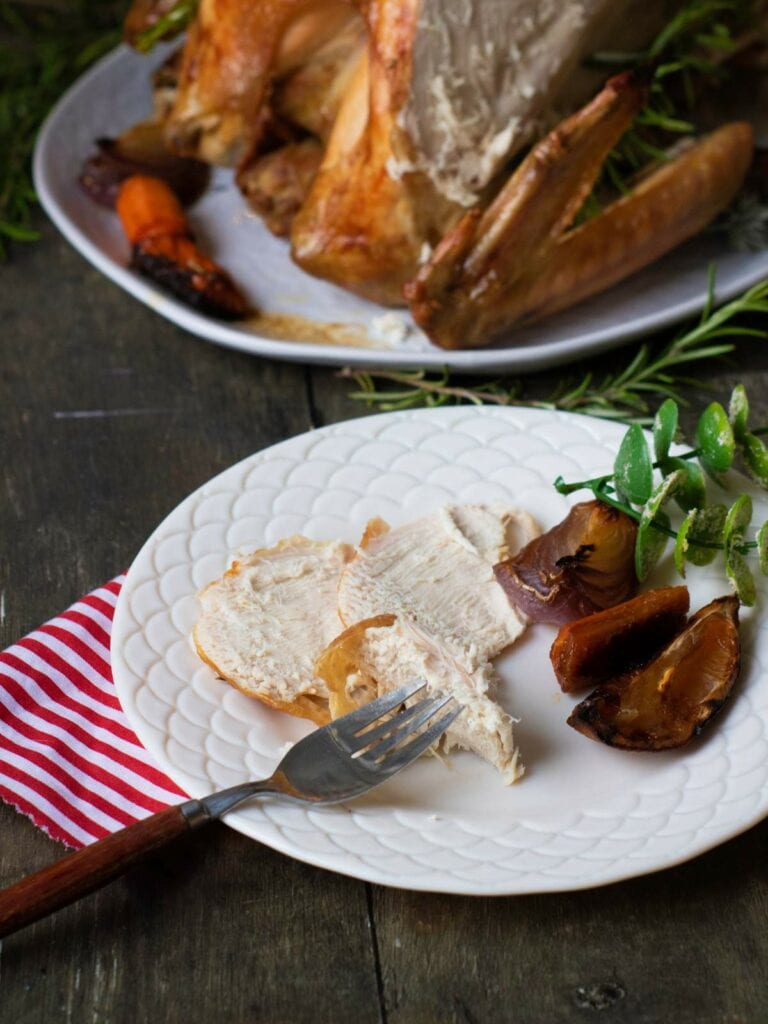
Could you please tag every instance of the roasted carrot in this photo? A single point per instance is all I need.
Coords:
(164, 249)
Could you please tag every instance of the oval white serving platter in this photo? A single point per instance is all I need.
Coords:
(583, 814)
(115, 94)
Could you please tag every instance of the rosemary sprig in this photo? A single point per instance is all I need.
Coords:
(625, 395)
(43, 48)
(168, 25)
(691, 48)
(745, 223)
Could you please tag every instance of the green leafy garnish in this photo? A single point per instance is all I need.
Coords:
(692, 492)
(762, 548)
(664, 428)
(715, 440)
(755, 458)
(654, 526)
(738, 412)
(632, 472)
(167, 26)
(700, 536)
(706, 529)
(691, 49)
(43, 48)
(652, 538)
(737, 570)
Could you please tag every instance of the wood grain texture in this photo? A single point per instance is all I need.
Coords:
(80, 873)
(677, 946)
(109, 416)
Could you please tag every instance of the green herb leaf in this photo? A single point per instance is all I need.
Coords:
(633, 473)
(650, 544)
(43, 48)
(714, 438)
(738, 412)
(664, 428)
(755, 456)
(737, 520)
(741, 577)
(692, 492)
(702, 526)
(18, 232)
(762, 548)
(651, 541)
(737, 570)
(168, 26)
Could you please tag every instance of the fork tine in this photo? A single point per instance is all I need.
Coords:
(404, 755)
(371, 736)
(401, 727)
(366, 715)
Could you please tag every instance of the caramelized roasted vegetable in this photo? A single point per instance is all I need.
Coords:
(603, 645)
(339, 666)
(582, 565)
(671, 699)
(165, 251)
(140, 150)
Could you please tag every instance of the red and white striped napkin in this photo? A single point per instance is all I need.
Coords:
(68, 758)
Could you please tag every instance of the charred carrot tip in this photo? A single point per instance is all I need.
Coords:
(181, 268)
(147, 207)
(163, 249)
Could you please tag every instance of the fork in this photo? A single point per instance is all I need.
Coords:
(340, 761)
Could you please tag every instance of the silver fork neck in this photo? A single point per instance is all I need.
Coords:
(198, 812)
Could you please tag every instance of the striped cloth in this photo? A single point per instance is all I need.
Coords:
(68, 758)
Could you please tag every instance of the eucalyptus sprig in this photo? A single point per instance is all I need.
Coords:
(644, 489)
(624, 395)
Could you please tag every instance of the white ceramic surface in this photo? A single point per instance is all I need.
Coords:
(115, 94)
(582, 815)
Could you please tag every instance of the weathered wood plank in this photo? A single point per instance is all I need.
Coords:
(687, 945)
(109, 417)
(218, 928)
(215, 928)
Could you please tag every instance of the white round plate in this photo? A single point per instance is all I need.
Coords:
(582, 815)
(115, 94)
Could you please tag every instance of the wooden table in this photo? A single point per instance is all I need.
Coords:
(219, 928)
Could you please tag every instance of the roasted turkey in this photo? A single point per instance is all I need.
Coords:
(437, 153)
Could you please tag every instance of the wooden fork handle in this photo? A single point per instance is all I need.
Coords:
(89, 869)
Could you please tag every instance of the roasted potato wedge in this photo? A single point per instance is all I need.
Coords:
(601, 646)
(671, 699)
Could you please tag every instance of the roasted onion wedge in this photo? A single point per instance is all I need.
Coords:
(601, 646)
(140, 150)
(582, 565)
(670, 700)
